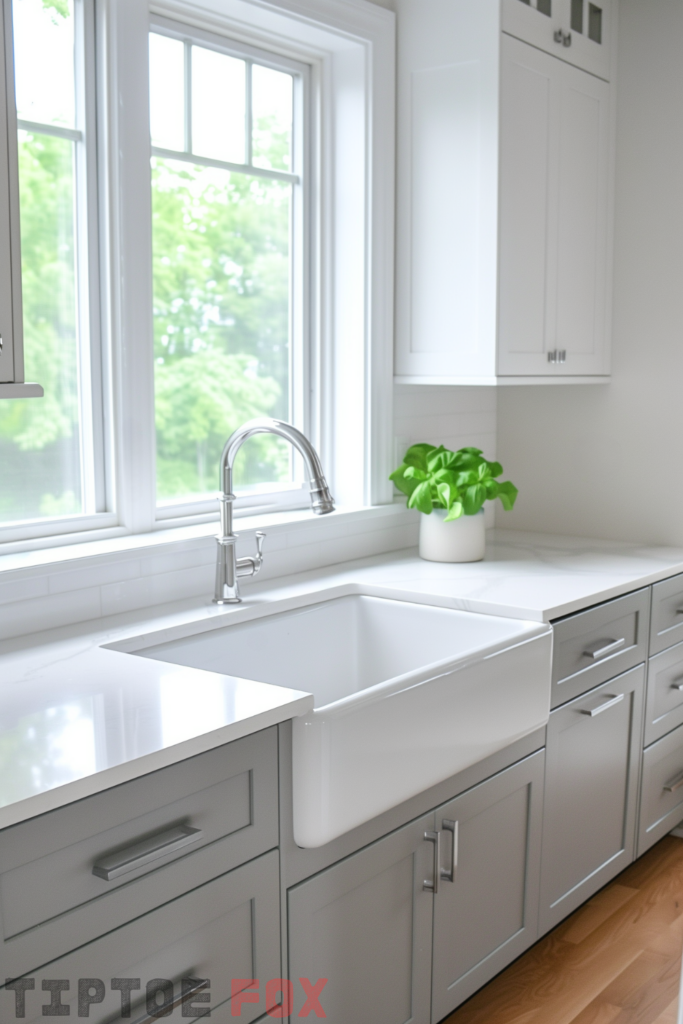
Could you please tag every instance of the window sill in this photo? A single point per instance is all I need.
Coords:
(298, 522)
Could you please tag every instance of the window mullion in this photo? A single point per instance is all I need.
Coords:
(248, 115)
(188, 96)
(126, 30)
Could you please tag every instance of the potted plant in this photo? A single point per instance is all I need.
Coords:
(450, 489)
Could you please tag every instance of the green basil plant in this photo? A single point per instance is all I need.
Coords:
(459, 482)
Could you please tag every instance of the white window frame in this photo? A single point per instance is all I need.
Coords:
(291, 495)
(95, 444)
(350, 48)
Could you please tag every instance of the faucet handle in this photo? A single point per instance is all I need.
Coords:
(260, 537)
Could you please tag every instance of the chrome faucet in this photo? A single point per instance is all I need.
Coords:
(229, 567)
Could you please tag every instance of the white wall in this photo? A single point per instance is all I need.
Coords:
(606, 461)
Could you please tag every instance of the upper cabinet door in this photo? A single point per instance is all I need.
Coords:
(578, 31)
(554, 217)
(582, 226)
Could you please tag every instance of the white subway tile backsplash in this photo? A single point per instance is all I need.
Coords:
(41, 613)
(95, 575)
(18, 590)
(160, 589)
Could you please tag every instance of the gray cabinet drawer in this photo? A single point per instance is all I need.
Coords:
(667, 614)
(228, 928)
(664, 707)
(50, 900)
(593, 646)
(661, 800)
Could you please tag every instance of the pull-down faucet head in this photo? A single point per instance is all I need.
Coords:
(229, 568)
(322, 501)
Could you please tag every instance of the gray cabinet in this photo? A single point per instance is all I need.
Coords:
(365, 924)
(598, 644)
(667, 614)
(661, 802)
(487, 915)
(51, 901)
(228, 928)
(664, 704)
(592, 762)
(389, 942)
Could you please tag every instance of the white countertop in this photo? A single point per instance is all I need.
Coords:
(76, 718)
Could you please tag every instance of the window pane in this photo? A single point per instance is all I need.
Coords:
(221, 323)
(40, 444)
(167, 92)
(44, 58)
(218, 105)
(272, 118)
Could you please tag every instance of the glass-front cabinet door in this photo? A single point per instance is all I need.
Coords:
(577, 31)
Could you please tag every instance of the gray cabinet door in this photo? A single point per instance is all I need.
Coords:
(365, 924)
(488, 914)
(592, 760)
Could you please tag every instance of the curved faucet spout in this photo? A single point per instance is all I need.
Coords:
(322, 501)
(229, 568)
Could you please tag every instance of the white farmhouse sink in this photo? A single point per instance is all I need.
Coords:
(406, 694)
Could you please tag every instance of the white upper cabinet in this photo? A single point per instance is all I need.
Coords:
(579, 32)
(554, 194)
(504, 203)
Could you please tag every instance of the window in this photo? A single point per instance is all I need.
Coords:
(228, 198)
(206, 209)
(50, 449)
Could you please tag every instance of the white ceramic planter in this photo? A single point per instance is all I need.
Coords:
(462, 540)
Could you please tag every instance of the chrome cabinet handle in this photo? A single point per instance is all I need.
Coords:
(601, 652)
(675, 783)
(188, 990)
(453, 827)
(564, 38)
(677, 684)
(146, 851)
(603, 707)
(434, 837)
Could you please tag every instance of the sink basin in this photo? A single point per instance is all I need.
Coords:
(406, 694)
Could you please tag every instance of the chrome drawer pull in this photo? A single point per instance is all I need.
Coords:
(602, 652)
(139, 854)
(453, 828)
(677, 684)
(188, 990)
(675, 783)
(434, 837)
(603, 707)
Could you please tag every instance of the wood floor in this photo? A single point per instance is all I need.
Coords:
(617, 960)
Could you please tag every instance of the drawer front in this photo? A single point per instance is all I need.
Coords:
(226, 802)
(667, 614)
(664, 708)
(661, 801)
(593, 646)
(228, 928)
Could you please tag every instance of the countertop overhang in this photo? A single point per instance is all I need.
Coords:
(77, 718)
